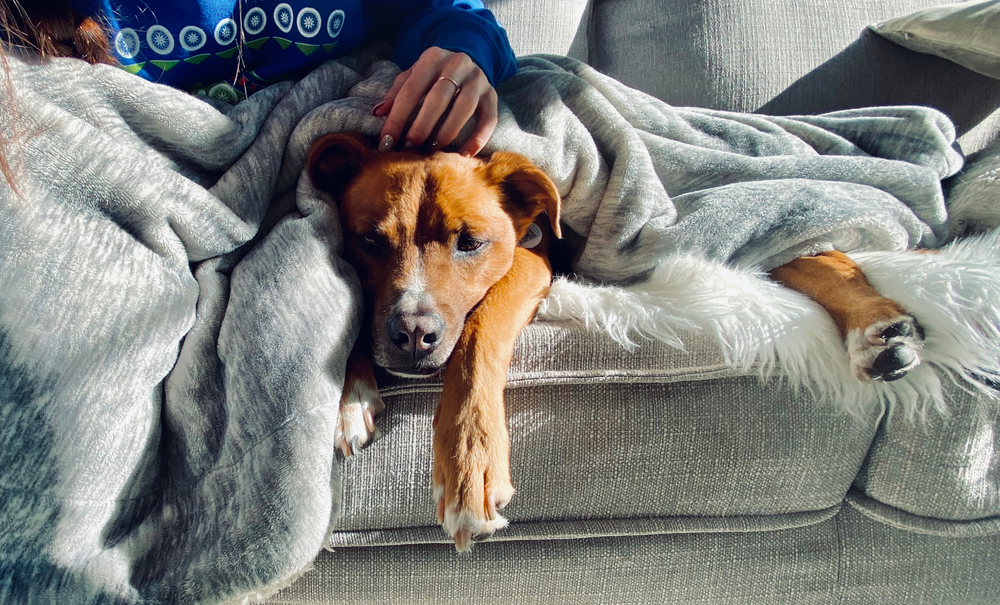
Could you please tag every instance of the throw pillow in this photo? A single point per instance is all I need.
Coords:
(965, 33)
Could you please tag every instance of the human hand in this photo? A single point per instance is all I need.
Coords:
(445, 90)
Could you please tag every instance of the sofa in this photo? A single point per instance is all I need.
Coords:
(666, 475)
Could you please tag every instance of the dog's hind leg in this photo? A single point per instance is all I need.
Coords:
(360, 404)
(883, 340)
(471, 444)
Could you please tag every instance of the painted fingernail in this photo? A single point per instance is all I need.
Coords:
(435, 145)
(386, 143)
(375, 109)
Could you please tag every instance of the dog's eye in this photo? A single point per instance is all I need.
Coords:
(467, 243)
(368, 243)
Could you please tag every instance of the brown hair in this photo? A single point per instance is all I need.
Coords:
(52, 29)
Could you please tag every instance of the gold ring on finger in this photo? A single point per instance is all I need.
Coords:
(458, 88)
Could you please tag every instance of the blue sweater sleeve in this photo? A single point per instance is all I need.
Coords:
(459, 26)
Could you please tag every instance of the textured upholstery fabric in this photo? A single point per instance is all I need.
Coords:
(784, 57)
(556, 27)
(883, 563)
(946, 469)
(656, 433)
(850, 559)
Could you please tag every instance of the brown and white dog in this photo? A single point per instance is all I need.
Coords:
(435, 241)
(452, 253)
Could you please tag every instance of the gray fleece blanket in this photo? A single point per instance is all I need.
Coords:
(175, 315)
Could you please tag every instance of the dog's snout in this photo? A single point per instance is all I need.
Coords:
(417, 334)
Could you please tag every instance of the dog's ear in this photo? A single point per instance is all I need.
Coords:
(526, 189)
(335, 159)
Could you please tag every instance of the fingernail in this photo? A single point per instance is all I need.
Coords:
(435, 145)
(386, 143)
(376, 108)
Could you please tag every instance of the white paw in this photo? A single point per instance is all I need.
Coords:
(886, 350)
(360, 407)
(464, 525)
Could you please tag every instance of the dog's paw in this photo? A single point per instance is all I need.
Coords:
(360, 408)
(471, 482)
(885, 350)
(465, 525)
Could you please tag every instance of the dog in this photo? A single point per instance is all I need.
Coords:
(453, 257)
(452, 253)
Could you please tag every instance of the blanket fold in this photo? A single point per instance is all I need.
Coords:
(175, 316)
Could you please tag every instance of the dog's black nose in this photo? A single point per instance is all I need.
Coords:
(416, 333)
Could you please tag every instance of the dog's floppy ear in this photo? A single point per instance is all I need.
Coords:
(335, 159)
(527, 190)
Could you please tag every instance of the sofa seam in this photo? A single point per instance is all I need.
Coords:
(841, 555)
(819, 516)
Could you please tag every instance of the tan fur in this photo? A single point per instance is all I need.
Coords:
(834, 281)
(417, 209)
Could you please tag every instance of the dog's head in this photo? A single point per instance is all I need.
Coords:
(428, 235)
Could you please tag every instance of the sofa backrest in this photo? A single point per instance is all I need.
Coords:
(778, 57)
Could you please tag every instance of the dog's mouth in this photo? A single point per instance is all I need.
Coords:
(413, 373)
(401, 365)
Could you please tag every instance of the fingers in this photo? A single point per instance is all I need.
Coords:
(486, 123)
(444, 99)
(426, 94)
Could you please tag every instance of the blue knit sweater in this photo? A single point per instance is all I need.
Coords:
(230, 48)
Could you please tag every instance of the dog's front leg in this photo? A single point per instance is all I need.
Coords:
(360, 404)
(471, 443)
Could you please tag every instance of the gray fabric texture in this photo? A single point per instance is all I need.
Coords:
(167, 402)
(650, 440)
(883, 563)
(562, 23)
(169, 384)
(641, 179)
(850, 559)
(590, 528)
(946, 468)
(791, 57)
